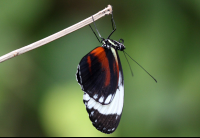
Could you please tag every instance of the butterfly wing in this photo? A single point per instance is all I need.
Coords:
(101, 78)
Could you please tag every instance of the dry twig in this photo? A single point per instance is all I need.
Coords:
(57, 35)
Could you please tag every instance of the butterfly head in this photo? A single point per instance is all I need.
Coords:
(118, 45)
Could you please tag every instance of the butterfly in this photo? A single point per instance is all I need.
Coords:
(100, 76)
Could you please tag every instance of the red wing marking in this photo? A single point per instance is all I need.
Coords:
(116, 68)
(102, 58)
(89, 62)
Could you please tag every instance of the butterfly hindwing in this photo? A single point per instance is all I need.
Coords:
(101, 78)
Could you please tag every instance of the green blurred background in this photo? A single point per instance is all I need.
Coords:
(39, 94)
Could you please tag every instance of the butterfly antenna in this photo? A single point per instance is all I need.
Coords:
(128, 64)
(142, 67)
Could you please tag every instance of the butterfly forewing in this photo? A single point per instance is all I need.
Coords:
(98, 74)
(101, 78)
